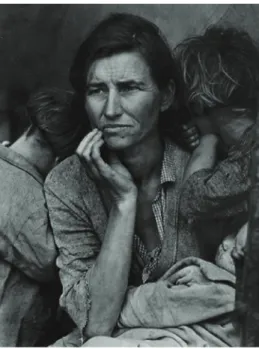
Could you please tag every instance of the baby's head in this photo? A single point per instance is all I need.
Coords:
(232, 247)
(219, 69)
(224, 257)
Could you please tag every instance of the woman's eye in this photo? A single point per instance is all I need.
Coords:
(95, 91)
(128, 88)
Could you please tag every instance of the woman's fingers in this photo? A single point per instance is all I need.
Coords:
(115, 175)
(109, 171)
(103, 168)
(95, 151)
(86, 148)
(84, 144)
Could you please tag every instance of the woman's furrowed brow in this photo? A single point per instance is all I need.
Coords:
(130, 82)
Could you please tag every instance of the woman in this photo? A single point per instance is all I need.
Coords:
(114, 208)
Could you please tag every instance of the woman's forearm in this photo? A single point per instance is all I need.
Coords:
(109, 276)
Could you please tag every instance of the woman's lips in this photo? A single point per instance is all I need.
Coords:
(115, 128)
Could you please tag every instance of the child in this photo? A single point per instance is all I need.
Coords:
(220, 72)
(29, 284)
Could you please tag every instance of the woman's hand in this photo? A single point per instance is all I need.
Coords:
(114, 175)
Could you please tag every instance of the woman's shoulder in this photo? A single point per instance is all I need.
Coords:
(70, 184)
(67, 176)
(64, 169)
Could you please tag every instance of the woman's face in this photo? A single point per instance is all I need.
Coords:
(122, 99)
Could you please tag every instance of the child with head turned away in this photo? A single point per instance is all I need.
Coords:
(220, 74)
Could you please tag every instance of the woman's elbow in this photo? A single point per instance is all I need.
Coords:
(98, 326)
(96, 330)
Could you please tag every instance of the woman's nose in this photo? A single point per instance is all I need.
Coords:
(113, 105)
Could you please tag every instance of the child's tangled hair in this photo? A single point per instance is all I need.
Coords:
(51, 111)
(219, 68)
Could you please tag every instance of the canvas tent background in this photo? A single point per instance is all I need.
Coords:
(38, 42)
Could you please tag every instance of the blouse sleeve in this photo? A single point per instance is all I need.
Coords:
(219, 192)
(78, 247)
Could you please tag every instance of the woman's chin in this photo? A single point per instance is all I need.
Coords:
(117, 143)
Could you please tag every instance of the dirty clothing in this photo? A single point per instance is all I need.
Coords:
(79, 211)
(27, 253)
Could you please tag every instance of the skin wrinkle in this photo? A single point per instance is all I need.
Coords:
(126, 95)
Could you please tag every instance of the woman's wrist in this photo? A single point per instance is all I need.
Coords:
(128, 201)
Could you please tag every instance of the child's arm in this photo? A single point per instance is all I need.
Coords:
(219, 192)
(203, 157)
(214, 190)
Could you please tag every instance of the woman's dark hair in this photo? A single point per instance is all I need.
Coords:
(50, 112)
(219, 68)
(122, 32)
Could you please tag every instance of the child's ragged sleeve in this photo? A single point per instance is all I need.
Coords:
(219, 192)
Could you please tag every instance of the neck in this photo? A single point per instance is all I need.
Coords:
(144, 159)
(27, 148)
(23, 147)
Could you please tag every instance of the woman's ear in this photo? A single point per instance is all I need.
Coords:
(168, 96)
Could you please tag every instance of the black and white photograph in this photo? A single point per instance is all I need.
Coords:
(129, 173)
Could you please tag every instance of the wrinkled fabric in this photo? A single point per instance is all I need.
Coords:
(222, 191)
(27, 253)
(216, 200)
(164, 304)
(149, 260)
(27, 308)
(163, 314)
(26, 239)
(79, 211)
(199, 335)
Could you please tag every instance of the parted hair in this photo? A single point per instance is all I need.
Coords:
(123, 32)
